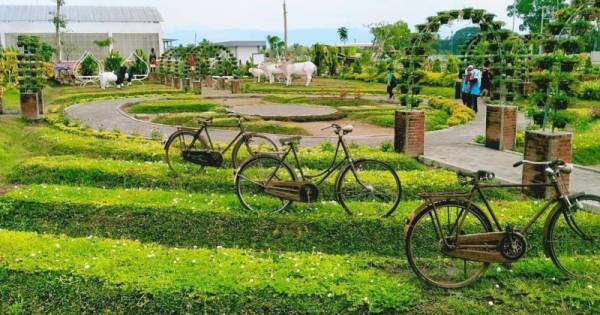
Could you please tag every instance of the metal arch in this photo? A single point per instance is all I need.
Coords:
(138, 77)
(88, 79)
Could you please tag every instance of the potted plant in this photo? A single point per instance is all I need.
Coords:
(555, 28)
(477, 15)
(403, 88)
(444, 17)
(571, 45)
(433, 26)
(538, 118)
(419, 50)
(567, 63)
(416, 90)
(549, 45)
(510, 97)
(504, 34)
(454, 14)
(541, 79)
(484, 26)
(421, 27)
(544, 62)
(497, 25)
(467, 13)
(495, 96)
(489, 17)
(559, 101)
(494, 47)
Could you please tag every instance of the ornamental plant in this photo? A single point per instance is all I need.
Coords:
(31, 73)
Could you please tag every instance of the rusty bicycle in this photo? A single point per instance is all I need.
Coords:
(450, 241)
(268, 183)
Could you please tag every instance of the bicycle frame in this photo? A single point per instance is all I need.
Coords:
(210, 142)
(561, 197)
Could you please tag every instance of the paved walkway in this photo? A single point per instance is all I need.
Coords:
(287, 110)
(450, 148)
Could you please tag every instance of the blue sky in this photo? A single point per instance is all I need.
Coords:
(310, 21)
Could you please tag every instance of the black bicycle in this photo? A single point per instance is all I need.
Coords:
(188, 148)
(268, 183)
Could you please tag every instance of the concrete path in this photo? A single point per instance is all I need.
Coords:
(451, 148)
(287, 110)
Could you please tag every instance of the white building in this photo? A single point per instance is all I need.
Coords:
(129, 27)
(244, 50)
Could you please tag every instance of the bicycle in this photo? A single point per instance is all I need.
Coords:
(186, 146)
(450, 241)
(268, 181)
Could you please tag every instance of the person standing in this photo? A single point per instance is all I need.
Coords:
(466, 86)
(392, 82)
(475, 89)
(486, 80)
(152, 60)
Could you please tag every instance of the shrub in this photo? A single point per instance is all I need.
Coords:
(113, 61)
(590, 90)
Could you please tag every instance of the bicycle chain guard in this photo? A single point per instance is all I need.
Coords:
(203, 158)
(293, 191)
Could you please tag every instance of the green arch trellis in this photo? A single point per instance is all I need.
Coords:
(554, 80)
(209, 59)
(422, 41)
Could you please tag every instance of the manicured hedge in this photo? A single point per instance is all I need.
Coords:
(185, 219)
(73, 170)
(122, 276)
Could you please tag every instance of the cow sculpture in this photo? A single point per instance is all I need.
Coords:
(307, 69)
(270, 69)
(257, 73)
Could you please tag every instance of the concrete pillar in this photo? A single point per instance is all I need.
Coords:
(545, 146)
(236, 87)
(501, 127)
(409, 134)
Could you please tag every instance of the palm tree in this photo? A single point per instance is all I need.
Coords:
(275, 45)
(343, 34)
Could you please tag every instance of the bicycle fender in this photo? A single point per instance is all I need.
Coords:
(409, 220)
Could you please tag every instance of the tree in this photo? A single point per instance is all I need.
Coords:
(389, 38)
(59, 22)
(343, 34)
(532, 12)
(456, 42)
(276, 45)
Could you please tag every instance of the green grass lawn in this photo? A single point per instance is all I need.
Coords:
(93, 222)
(12, 101)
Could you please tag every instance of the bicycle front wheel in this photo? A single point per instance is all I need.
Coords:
(370, 188)
(252, 179)
(178, 143)
(572, 238)
(425, 244)
(252, 145)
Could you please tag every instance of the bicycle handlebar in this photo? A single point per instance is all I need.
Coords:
(334, 126)
(547, 163)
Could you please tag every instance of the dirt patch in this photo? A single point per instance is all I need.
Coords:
(360, 128)
(239, 101)
(4, 189)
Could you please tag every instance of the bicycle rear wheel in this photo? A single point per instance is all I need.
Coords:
(252, 178)
(177, 144)
(572, 238)
(371, 188)
(424, 244)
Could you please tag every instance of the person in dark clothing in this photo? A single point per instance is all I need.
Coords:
(486, 80)
(152, 60)
(392, 82)
(129, 75)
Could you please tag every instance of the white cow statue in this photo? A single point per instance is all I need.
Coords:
(106, 78)
(270, 69)
(307, 69)
(257, 73)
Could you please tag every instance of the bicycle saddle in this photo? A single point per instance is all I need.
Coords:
(205, 120)
(290, 140)
(347, 129)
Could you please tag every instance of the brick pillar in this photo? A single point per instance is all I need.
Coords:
(209, 82)
(32, 106)
(197, 86)
(409, 134)
(152, 76)
(500, 127)
(236, 87)
(221, 84)
(544, 146)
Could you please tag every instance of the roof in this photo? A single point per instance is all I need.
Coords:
(244, 43)
(38, 13)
